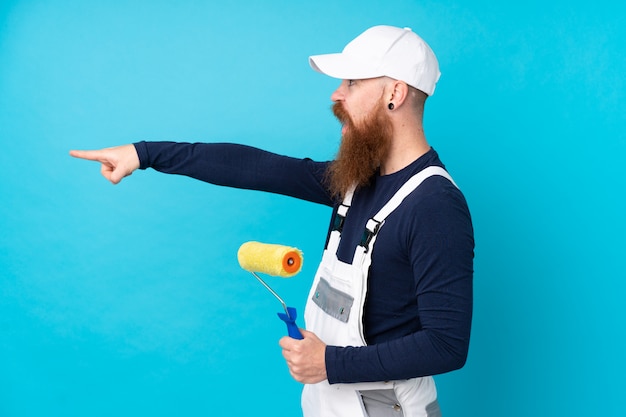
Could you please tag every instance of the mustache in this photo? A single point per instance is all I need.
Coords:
(341, 113)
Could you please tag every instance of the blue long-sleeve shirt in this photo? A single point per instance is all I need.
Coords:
(418, 310)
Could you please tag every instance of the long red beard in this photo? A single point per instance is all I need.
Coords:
(363, 148)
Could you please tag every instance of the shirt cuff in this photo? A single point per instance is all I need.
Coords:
(142, 153)
(330, 357)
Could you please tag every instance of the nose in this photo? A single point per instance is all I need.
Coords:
(337, 95)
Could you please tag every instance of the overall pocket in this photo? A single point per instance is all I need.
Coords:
(332, 301)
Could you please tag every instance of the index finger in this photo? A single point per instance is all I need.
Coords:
(89, 155)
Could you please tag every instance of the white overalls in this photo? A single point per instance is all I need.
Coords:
(334, 312)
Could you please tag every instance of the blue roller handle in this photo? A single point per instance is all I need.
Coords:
(290, 320)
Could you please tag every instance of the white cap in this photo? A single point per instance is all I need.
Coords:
(383, 51)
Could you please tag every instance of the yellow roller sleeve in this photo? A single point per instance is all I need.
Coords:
(271, 259)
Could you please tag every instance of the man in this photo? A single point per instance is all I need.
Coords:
(391, 303)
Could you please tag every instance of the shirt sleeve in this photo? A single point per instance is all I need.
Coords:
(238, 166)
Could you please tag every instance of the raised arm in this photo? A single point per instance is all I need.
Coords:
(223, 164)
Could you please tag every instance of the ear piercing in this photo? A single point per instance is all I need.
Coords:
(390, 106)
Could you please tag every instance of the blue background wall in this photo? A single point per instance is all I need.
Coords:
(128, 300)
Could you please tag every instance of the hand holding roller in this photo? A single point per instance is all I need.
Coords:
(275, 260)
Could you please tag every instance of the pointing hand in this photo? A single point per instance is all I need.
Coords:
(117, 162)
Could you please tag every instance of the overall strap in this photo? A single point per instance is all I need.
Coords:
(342, 210)
(338, 221)
(374, 224)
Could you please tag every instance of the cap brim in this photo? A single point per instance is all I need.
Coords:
(342, 67)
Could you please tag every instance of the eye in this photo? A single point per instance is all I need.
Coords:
(351, 83)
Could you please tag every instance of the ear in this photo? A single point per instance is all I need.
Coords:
(398, 93)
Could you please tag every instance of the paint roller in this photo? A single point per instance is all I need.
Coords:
(274, 260)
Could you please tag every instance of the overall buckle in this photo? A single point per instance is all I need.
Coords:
(371, 229)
